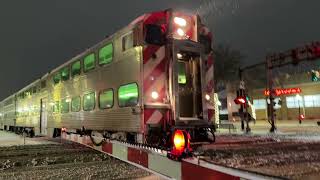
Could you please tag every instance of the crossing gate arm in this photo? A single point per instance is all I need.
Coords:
(156, 162)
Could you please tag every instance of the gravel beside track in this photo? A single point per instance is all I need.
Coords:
(275, 156)
(63, 160)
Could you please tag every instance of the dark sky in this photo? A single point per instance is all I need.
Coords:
(37, 36)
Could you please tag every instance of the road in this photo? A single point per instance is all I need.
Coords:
(42, 159)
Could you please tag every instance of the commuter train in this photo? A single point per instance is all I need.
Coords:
(140, 84)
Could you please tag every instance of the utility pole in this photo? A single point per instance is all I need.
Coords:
(271, 114)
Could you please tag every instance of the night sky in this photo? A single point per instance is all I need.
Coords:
(37, 36)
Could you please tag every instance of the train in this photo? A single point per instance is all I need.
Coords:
(140, 84)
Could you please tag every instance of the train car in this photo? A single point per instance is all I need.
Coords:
(8, 113)
(140, 84)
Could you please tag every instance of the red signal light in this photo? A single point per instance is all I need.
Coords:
(179, 140)
(302, 116)
(240, 100)
(181, 145)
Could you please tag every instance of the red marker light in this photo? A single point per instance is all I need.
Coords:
(302, 116)
(179, 140)
(240, 100)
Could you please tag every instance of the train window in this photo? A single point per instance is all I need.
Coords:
(89, 62)
(89, 101)
(76, 68)
(128, 95)
(106, 99)
(105, 54)
(127, 41)
(76, 104)
(43, 84)
(56, 107)
(57, 78)
(182, 78)
(65, 73)
(65, 105)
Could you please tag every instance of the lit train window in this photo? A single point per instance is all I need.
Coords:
(76, 104)
(128, 95)
(65, 73)
(57, 78)
(76, 68)
(89, 62)
(56, 107)
(182, 78)
(89, 101)
(106, 99)
(65, 106)
(105, 54)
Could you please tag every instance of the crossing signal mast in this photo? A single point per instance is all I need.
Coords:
(293, 56)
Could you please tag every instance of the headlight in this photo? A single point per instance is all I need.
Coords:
(180, 21)
(154, 95)
(207, 97)
(179, 55)
(180, 32)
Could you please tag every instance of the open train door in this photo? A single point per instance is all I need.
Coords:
(43, 116)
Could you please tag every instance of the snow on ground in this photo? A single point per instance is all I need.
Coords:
(41, 159)
(11, 139)
(289, 156)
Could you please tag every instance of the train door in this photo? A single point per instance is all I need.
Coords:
(188, 82)
(43, 116)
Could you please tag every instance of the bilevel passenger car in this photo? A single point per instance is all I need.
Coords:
(139, 84)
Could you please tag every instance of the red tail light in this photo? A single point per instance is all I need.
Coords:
(181, 145)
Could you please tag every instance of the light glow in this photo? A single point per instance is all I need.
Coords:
(179, 55)
(178, 140)
(207, 97)
(180, 21)
(154, 95)
(180, 32)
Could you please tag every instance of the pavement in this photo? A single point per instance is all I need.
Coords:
(284, 127)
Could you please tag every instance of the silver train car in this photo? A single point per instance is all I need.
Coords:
(140, 84)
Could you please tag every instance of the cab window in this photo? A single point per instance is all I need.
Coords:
(89, 62)
(105, 54)
(182, 78)
(128, 95)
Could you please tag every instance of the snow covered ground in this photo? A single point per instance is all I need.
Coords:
(288, 156)
(42, 159)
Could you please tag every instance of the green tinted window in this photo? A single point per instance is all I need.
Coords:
(89, 62)
(76, 68)
(65, 106)
(106, 99)
(57, 78)
(182, 78)
(89, 101)
(105, 54)
(65, 73)
(76, 104)
(128, 95)
(56, 107)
